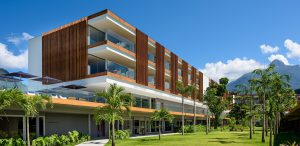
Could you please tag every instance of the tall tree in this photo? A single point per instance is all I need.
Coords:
(194, 92)
(262, 83)
(214, 99)
(117, 104)
(162, 115)
(184, 91)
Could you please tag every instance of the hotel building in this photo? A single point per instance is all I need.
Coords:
(99, 50)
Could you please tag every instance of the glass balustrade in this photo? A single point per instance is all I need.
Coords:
(151, 80)
(167, 85)
(105, 65)
(151, 57)
(167, 65)
(96, 35)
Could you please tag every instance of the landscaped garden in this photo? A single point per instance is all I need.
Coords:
(214, 138)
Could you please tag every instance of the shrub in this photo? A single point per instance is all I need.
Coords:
(74, 136)
(64, 139)
(187, 129)
(122, 134)
(3, 134)
(12, 142)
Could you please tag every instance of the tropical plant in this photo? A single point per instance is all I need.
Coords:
(122, 134)
(261, 85)
(184, 90)
(194, 93)
(214, 99)
(31, 105)
(117, 104)
(162, 115)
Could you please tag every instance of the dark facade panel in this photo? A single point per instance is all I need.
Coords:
(185, 72)
(64, 52)
(160, 68)
(193, 74)
(174, 72)
(200, 86)
(141, 58)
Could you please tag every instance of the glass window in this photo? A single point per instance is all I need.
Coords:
(121, 70)
(167, 85)
(137, 102)
(145, 103)
(95, 35)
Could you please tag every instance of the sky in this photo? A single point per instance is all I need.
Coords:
(221, 38)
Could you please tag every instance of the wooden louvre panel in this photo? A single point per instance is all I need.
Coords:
(64, 52)
(200, 82)
(141, 58)
(174, 72)
(160, 68)
(185, 73)
(193, 79)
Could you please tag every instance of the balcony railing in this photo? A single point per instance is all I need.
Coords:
(151, 80)
(109, 66)
(151, 57)
(96, 36)
(167, 85)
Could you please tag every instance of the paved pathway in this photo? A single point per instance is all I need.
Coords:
(102, 142)
(99, 142)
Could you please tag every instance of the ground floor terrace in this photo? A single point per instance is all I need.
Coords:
(68, 115)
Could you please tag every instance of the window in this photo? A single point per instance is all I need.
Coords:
(180, 71)
(167, 65)
(95, 35)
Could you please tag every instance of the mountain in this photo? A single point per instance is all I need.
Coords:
(6, 84)
(292, 70)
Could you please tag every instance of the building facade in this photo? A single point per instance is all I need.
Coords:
(103, 49)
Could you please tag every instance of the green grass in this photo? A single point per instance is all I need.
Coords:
(215, 138)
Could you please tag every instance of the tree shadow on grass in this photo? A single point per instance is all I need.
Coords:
(223, 141)
(150, 139)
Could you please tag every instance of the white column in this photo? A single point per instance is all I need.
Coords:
(24, 128)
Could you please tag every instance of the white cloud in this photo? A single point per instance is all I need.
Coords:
(17, 39)
(12, 61)
(278, 57)
(293, 48)
(232, 69)
(268, 49)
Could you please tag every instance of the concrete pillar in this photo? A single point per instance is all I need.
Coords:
(37, 126)
(89, 124)
(24, 128)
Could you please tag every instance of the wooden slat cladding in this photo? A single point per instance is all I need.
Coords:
(160, 68)
(64, 52)
(193, 74)
(174, 72)
(185, 72)
(141, 58)
(200, 82)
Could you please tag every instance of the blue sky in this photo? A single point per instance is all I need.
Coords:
(222, 38)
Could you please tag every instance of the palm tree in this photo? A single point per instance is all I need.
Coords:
(195, 94)
(162, 115)
(262, 83)
(31, 105)
(117, 104)
(184, 91)
(7, 97)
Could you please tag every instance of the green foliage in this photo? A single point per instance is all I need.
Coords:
(162, 114)
(190, 129)
(12, 142)
(122, 134)
(3, 134)
(238, 112)
(74, 137)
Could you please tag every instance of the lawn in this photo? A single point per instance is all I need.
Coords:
(215, 138)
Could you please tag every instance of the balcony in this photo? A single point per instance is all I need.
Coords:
(102, 65)
(151, 80)
(96, 36)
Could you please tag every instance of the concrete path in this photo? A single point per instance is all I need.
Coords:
(152, 135)
(102, 142)
(99, 142)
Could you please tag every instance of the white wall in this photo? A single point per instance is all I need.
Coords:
(35, 60)
(205, 83)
